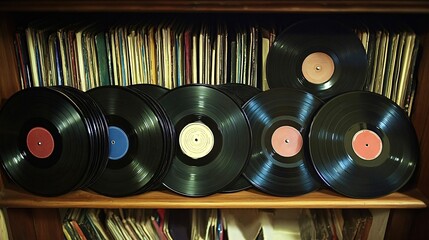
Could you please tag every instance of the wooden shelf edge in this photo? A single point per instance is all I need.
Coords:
(216, 6)
(243, 199)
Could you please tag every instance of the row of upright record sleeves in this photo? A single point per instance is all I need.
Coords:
(174, 51)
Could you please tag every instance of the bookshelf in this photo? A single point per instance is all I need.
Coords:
(404, 220)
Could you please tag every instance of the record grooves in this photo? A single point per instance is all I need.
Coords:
(280, 120)
(155, 91)
(241, 93)
(363, 145)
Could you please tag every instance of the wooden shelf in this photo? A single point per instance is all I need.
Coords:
(244, 199)
(284, 6)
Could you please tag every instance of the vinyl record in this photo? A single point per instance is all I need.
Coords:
(98, 129)
(155, 91)
(363, 145)
(241, 93)
(213, 139)
(280, 120)
(136, 142)
(47, 139)
(322, 57)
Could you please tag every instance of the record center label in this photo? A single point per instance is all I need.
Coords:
(367, 144)
(196, 140)
(286, 141)
(318, 67)
(118, 143)
(40, 142)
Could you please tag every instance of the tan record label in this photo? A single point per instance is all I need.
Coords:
(196, 140)
(318, 67)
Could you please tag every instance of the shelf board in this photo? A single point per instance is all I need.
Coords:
(291, 6)
(244, 199)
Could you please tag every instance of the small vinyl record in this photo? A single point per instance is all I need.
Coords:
(241, 93)
(52, 141)
(363, 145)
(213, 139)
(279, 162)
(322, 57)
(137, 142)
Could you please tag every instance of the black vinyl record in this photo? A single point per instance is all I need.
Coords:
(363, 145)
(213, 139)
(155, 91)
(322, 57)
(279, 162)
(47, 140)
(241, 93)
(98, 129)
(137, 142)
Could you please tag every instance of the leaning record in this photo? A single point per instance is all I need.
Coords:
(46, 141)
(213, 139)
(279, 163)
(324, 58)
(241, 93)
(155, 91)
(97, 128)
(363, 145)
(136, 142)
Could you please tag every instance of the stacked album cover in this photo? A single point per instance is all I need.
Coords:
(125, 108)
(237, 224)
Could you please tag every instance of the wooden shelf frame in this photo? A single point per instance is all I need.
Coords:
(281, 6)
(404, 222)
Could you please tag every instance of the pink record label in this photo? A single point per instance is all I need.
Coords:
(286, 141)
(40, 142)
(367, 144)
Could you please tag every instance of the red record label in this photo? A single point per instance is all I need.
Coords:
(40, 142)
